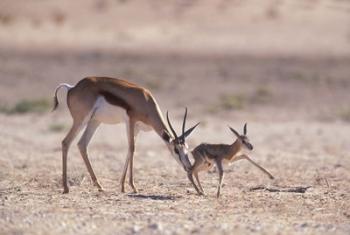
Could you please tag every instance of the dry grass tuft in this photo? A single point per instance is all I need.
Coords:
(57, 127)
(232, 102)
(58, 17)
(262, 95)
(5, 19)
(27, 106)
(345, 115)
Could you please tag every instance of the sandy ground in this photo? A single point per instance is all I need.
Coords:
(299, 145)
(294, 94)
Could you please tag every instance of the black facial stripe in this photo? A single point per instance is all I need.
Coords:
(246, 143)
(166, 137)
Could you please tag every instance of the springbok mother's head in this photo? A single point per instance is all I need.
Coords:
(177, 145)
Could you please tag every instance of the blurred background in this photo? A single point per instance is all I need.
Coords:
(283, 66)
(213, 55)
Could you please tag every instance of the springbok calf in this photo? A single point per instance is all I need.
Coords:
(205, 155)
(96, 100)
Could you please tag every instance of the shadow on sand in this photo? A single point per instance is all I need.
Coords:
(153, 197)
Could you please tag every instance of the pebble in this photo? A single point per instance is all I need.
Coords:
(136, 229)
(156, 226)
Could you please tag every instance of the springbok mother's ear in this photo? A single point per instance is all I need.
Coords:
(166, 137)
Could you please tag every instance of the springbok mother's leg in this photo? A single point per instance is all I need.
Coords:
(198, 182)
(132, 140)
(130, 127)
(190, 177)
(198, 166)
(66, 142)
(83, 143)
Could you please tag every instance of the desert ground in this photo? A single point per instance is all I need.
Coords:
(282, 66)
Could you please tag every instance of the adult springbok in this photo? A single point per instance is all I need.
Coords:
(206, 155)
(96, 100)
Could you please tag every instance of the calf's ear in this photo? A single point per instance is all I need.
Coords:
(245, 129)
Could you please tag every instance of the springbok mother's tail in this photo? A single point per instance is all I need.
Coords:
(55, 100)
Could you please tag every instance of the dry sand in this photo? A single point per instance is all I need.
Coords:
(294, 96)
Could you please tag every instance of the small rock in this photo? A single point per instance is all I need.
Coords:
(338, 165)
(156, 226)
(303, 225)
(136, 229)
(195, 230)
(223, 226)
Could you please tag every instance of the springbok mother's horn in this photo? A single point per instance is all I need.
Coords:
(184, 125)
(171, 127)
(188, 132)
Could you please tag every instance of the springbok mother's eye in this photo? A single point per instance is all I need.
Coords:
(176, 151)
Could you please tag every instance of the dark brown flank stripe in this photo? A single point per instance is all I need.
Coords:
(118, 101)
(115, 100)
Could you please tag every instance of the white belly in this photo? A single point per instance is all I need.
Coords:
(140, 126)
(107, 113)
(112, 114)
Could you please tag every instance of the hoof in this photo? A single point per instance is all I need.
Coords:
(99, 187)
(65, 191)
(101, 190)
(135, 190)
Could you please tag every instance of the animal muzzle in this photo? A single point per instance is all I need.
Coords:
(250, 147)
(185, 163)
